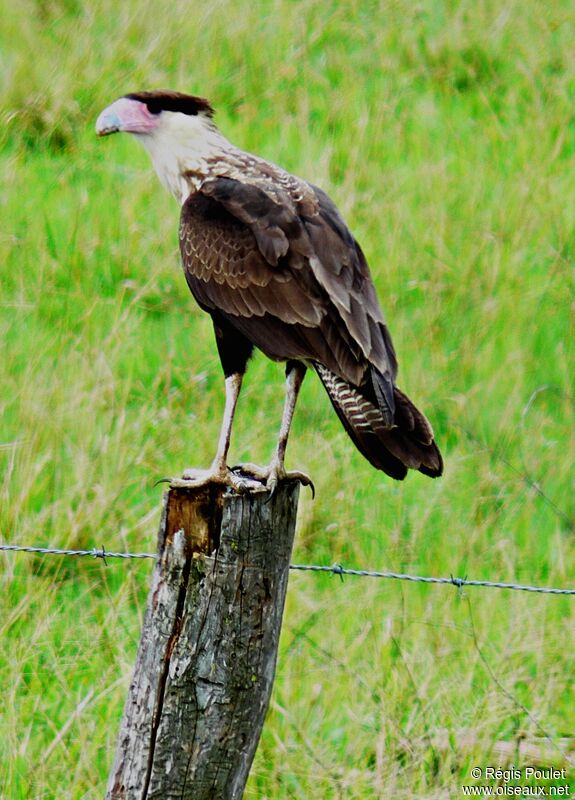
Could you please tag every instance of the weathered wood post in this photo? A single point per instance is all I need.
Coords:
(206, 660)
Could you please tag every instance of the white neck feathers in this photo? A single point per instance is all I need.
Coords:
(181, 148)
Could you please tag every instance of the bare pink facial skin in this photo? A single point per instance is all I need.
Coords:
(126, 115)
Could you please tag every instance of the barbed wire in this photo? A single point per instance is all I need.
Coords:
(334, 569)
(95, 552)
(337, 569)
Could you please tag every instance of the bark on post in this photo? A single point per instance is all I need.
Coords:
(206, 661)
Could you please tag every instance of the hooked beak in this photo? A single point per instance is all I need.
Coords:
(107, 123)
(125, 115)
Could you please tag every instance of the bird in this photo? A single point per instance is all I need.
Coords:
(269, 257)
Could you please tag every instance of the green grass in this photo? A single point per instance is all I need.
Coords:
(446, 134)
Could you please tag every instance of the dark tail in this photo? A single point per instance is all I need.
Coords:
(392, 439)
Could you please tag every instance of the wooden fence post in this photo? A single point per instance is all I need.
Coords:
(206, 660)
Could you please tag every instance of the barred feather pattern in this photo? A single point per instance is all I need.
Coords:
(392, 440)
(360, 413)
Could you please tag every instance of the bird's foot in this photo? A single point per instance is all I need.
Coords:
(272, 475)
(222, 476)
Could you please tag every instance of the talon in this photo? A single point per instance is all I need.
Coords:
(272, 475)
(304, 479)
(162, 480)
(195, 478)
(311, 485)
(271, 486)
(244, 485)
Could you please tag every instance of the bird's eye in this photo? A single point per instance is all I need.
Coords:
(153, 107)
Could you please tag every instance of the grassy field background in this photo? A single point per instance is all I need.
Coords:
(445, 132)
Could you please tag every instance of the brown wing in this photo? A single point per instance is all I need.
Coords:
(340, 267)
(293, 281)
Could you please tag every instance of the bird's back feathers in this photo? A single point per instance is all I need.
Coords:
(250, 252)
(296, 285)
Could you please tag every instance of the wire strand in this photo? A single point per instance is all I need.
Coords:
(334, 569)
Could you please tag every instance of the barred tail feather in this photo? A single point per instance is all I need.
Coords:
(389, 431)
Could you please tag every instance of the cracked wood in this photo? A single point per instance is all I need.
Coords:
(206, 661)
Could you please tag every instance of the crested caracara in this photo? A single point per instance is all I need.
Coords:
(269, 257)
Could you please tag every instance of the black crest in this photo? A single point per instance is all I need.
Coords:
(160, 100)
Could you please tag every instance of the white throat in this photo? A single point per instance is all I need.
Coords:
(182, 148)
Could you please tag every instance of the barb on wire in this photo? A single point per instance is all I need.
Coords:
(334, 569)
(337, 569)
(56, 551)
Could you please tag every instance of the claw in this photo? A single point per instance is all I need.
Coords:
(272, 475)
(162, 480)
(226, 477)
(244, 485)
(241, 478)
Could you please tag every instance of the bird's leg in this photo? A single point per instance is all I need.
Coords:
(219, 472)
(295, 373)
(276, 471)
(233, 385)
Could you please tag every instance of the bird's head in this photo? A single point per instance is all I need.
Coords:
(154, 113)
(177, 130)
